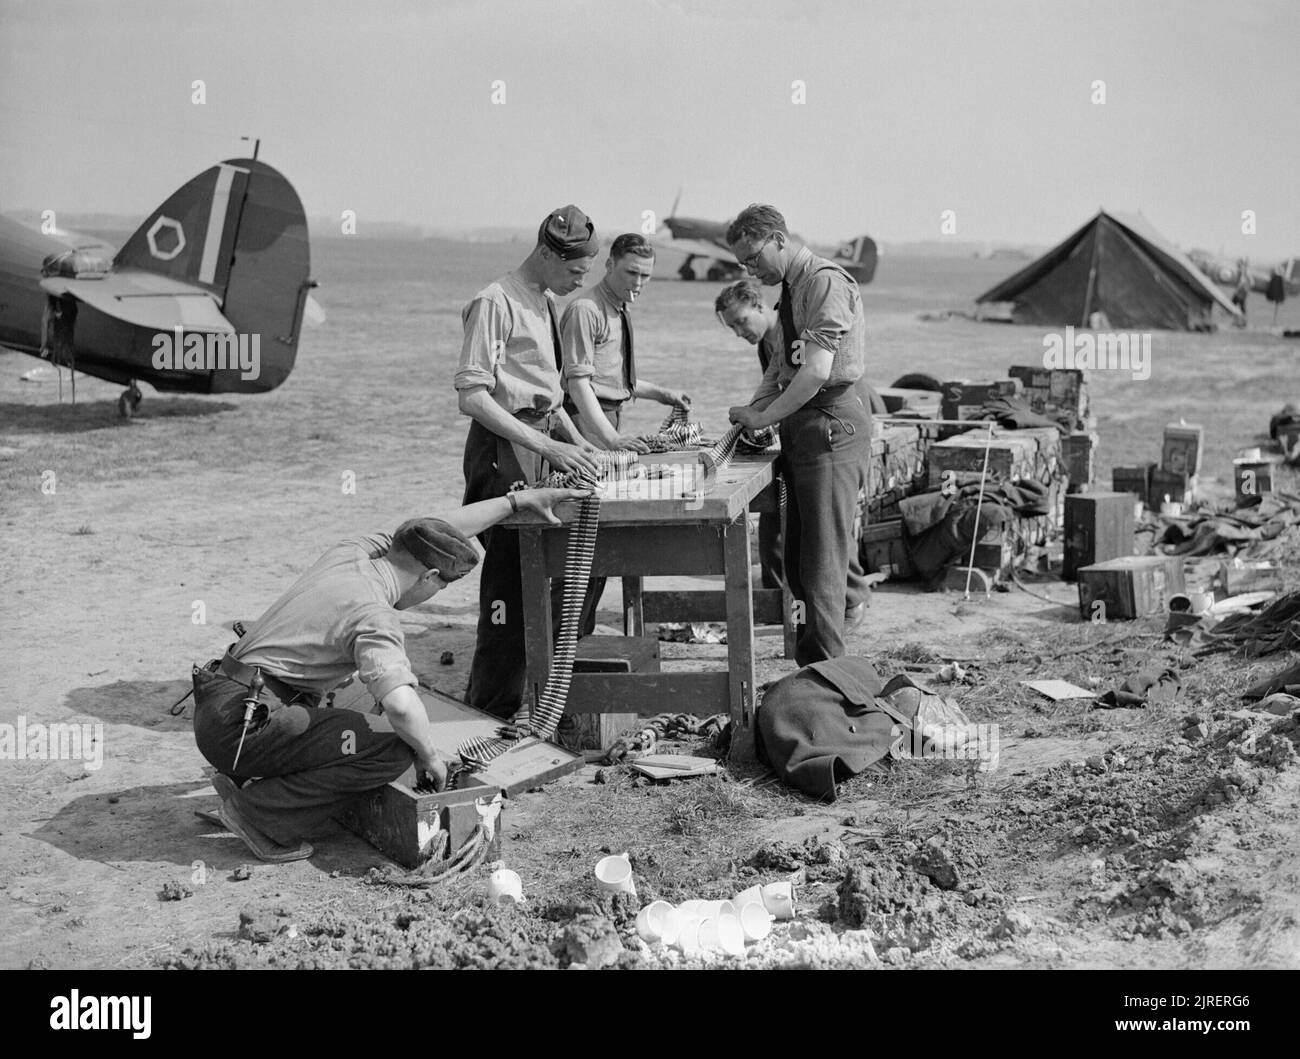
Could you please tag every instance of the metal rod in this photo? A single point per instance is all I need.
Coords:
(979, 503)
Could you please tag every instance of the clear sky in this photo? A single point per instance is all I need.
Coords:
(982, 107)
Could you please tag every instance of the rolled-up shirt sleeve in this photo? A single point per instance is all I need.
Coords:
(579, 333)
(831, 310)
(379, 650)
(487, 329)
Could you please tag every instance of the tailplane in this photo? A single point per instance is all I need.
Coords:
(858, 258)
(237, 230)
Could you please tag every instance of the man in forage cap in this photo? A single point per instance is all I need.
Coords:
(508, 382)
(337, 621)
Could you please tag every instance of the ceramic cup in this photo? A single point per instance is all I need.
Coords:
(504, 887)
(755, 921)
(614, 874)
(651, 920)
(731, 935)
(778, 899)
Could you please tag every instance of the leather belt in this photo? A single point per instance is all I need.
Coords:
(606, 405)
(240, 673)
(533, 415)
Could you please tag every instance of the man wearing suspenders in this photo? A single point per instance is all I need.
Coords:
(742, 308)
(810, 390)
(508, 382)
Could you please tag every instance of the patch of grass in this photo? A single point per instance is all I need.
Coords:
(84, 531)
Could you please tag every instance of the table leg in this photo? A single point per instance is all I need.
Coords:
(740, 639)
(787, 600)
(633, 612)
(537, 613)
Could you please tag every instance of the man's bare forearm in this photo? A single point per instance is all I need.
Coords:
(810, 378)
(584, 396)
(405, 712)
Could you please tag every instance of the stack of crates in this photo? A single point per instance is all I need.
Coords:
(1058, 393)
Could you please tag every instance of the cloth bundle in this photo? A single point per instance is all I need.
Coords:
(831, 720)
(941, 527)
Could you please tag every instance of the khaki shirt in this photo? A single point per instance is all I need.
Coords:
(335, 620)
(827, 309)
(591, 338)
(509, 346)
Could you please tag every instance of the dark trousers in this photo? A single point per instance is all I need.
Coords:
(499, 669)
(313, 761)
(595, 586)
(825, 446)
(771, 560)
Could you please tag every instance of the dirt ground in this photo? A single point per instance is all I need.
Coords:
(1105, 838)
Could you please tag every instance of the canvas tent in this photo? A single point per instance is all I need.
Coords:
(1119, 266)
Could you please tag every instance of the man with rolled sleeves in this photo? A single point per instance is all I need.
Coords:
(600, 373)
(742, 307)
(508, 382)
(809, 388)
(596, 337)
(338, 621)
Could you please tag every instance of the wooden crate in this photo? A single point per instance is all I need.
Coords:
(961, 458)
(611, 654)
(1098, 526)
(1178, 487)
(403, 823)
(1053, 392)
(1255, 577)
(1251, 478)
(1132, 586)
(406, 825)
(1181, 452)
(1134, 480)
(965, 400)
(884, 549)
(1079, 453)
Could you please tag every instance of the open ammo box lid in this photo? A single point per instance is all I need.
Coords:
(530, 763)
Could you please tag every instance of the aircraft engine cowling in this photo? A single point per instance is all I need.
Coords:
(80, 263)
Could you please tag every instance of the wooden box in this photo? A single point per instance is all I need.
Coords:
(1251, 478)
(1098, 526)
(404, 824)
(407, 825)
(1132, 586)
(1053, 392)
(1079, 453)
(884, 549)
(1255, 577)
(1181, 453)
(964, 400)
(1135, 480)
(1178, 487)
(960, 459)
(612, 654)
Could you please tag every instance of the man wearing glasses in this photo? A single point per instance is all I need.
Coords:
(809, 389)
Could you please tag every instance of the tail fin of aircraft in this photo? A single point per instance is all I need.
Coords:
(858, 258)
(237, 230)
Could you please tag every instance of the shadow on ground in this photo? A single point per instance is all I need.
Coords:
(67, 418)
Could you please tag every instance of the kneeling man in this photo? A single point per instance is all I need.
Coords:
(337, 621)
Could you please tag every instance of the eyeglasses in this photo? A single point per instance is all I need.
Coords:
(752, 260)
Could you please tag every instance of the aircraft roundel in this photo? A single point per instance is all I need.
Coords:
(152, 235)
